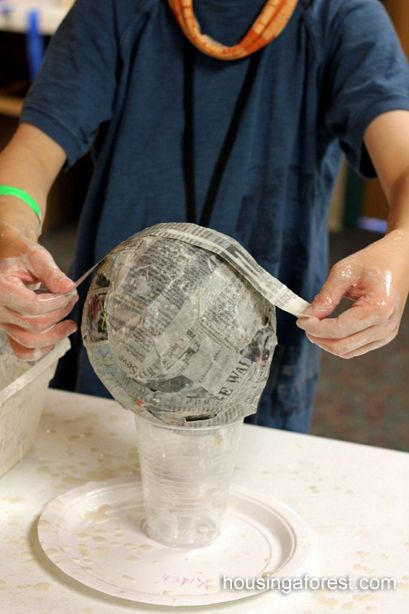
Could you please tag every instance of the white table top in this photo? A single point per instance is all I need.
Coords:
(13, 14)
(355, 499)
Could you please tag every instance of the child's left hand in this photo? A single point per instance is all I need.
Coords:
(377, 279)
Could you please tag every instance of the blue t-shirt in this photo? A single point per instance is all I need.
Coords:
(113, 80)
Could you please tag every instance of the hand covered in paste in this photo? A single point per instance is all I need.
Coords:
(32, 320)
(377, 279)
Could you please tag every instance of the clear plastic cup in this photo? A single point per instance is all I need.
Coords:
(186, 475)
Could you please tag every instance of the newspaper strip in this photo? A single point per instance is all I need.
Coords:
(277, 293)
(232, 252)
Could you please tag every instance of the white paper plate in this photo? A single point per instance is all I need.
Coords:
(94, 534)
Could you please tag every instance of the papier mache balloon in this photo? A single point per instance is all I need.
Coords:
(175, 331)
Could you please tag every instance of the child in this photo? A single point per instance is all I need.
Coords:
(245, 137)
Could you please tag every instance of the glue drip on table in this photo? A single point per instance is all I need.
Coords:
(179, 325)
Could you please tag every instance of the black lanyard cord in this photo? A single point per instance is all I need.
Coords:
(188, 136)
(228, 143)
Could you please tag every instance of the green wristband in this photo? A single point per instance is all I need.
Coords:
(7, 190)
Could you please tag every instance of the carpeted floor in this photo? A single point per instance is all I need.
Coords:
(365, 399)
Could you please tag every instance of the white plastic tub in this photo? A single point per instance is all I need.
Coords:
(22, 393)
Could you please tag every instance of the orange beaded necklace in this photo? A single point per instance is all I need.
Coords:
(268, 25)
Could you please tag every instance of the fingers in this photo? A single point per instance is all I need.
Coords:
(356, 331)
(42, 265)
(377, 278)
(370, 323)
(33, 320)
(361, 316)
(357, 318)
(359, 343)
(36, 322)
(24, 353)
(343, 276)
(15, 295)
(21, 276)
(38, 340)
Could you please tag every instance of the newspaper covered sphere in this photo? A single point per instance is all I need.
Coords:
(177, 333)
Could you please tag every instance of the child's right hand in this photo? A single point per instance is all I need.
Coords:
(32, 320)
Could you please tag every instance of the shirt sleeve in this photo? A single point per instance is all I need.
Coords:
(366, 74)
(75, 89)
